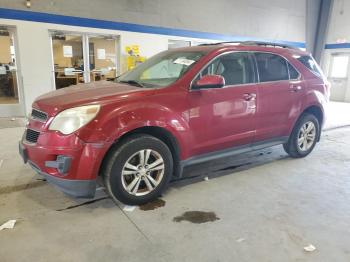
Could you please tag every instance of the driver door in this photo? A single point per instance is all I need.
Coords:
(221, 118)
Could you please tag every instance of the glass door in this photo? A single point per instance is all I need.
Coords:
(102, 58)
(68, 50)
(9, 90)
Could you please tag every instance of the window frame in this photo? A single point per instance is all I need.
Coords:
(250, 56)
(299, 75)
(286, 62)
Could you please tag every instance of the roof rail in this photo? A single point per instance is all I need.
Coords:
(257, 43)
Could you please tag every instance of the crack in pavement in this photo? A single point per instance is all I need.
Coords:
(82, 204)
(103, 198)
(135, 225)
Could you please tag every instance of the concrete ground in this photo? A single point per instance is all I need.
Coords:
(264, 206)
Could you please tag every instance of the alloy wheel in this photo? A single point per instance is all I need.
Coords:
(142, 172)
(306, 136)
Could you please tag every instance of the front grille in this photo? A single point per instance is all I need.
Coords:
(39, 115)
(32, 135)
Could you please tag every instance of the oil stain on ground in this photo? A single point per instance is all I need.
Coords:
(153, 205)
(197, 217)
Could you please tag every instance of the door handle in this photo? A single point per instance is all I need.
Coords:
(295, 88)
(249, 96)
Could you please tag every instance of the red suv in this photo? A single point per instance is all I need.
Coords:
(180, 107)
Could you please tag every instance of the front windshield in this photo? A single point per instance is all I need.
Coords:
(162, 69)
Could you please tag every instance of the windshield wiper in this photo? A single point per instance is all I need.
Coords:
(132, 82)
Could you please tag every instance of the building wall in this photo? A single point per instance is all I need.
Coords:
(272, 20)
(339, 26)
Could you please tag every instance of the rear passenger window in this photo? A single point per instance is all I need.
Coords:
(293, 73)
(235, 68)
(271, 67)
(310, 63)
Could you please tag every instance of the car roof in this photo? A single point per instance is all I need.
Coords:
(245, 46)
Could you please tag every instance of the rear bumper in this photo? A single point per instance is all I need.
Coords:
(74, 188)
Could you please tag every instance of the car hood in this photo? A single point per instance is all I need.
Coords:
(96, 92)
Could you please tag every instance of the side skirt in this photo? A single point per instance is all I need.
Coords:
(230, 152)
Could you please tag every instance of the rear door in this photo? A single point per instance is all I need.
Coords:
(224, 117)
(279, 99)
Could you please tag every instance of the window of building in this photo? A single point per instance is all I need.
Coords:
(8, 69)
(235, 68)
(82, 58)
(102, 58)
(68, 59)
(271, 67)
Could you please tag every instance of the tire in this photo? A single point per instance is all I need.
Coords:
(294, 147)
(129, 158)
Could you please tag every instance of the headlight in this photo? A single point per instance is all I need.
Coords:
(72, 119)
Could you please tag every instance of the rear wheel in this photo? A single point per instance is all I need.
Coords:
(138, 169)
(304, 136)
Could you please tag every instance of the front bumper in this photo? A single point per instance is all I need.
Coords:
(74, 188)
(67, 162)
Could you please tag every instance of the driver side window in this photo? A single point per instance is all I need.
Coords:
(235, 68)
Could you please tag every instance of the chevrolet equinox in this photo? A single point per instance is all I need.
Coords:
(180, 107)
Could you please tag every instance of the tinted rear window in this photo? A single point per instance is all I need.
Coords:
(271, 67)
(311, 64)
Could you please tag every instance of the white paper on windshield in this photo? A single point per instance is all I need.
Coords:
(183, 61)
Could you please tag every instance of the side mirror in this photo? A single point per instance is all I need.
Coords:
(209, 81)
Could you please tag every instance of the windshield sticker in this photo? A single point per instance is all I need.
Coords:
(183, 61)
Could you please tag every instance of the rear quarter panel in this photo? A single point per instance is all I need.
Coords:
(316, 93)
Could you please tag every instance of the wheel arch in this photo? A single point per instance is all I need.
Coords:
(315, 110)
(162, 134)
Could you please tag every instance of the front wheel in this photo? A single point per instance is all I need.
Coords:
(138, 169)
(304, 136)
